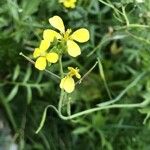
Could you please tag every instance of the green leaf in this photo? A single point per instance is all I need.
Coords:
(13, 93)
(39, 78)
(13, 8)
(81, 130)
(144, 110)
(16, 72)
(101, 71)
(29, 7)
(28, 74)
(29, 95)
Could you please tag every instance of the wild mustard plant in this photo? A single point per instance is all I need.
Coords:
(68, 3)
(54, 45)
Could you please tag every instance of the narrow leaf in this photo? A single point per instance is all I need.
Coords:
(13, 93)
(16, 72)
(29, 95)
(28, 74)
(13, 8)
(81, 130)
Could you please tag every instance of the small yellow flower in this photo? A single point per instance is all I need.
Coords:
(74, 72)
(42, 56)
(68, 3)
(80, 35)
(68, 83)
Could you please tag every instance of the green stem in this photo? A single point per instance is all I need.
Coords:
(139, 38)
(125, 16)
(131, 85)
(144, 103)
(61, 67)
(60, 103)
(87, 73)
(44, 117)
(137, 105)
(31, 61)
(132, 26)
(107, 3)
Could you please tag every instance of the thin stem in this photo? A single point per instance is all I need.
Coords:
(111, 6)
(87, 73)
(144, 103)
(61, 67)
(69, 107)
(138, 38)
(44, 117)
(132, 26)
(31, 61)
(131, 85)
(60, 103)
(125, 16)
(27, 58)
(100, 44)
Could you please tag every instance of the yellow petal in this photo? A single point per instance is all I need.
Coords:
(40, 63)
(73, 48)
(52, 57)
(68, 84)
(61, 85)
(57, 23)
(78, 75)
(44, 45)
(36, 52)
(81, 35)
(49, 35)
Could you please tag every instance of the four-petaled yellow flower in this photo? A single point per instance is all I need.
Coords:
(68, 3)
(68, 83)
(43, 56)
(81, 35)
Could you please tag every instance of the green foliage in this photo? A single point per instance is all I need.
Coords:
(120, 41)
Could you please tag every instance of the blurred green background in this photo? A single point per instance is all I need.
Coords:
(25, 92)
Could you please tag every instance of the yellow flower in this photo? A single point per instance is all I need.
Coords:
(68, 3)
(68, 83)
(42, 56)
(81, 35)
(74, 72)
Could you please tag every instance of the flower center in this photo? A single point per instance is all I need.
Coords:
(43, 54)
(67, 34)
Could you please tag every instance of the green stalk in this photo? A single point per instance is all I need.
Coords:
(60, 103)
